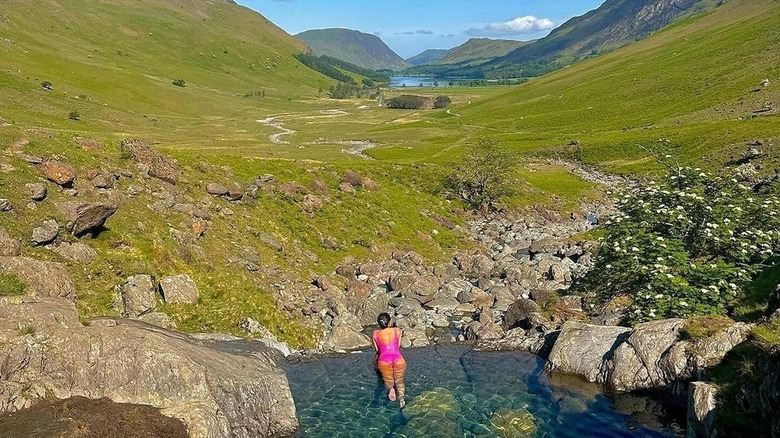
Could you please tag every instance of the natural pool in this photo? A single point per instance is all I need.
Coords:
(453, 391)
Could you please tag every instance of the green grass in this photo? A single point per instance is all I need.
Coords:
(11, 285)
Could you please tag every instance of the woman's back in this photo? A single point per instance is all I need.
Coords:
(388, 341)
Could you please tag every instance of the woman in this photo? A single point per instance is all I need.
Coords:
(390, 363)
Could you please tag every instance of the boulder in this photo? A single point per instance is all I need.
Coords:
(519, 313)
(77, 252)
(352, 179)
(37, 191)
(318, 186)
(103, 181)
(475, 266)
(583, 348)
(179, 289)
(346, 187)
(637, 362)
(322, 282)
(424, 288)
(345, 338)
(58, 172)
(477, 331)
(85, 217)
(312, 203)
(8, 245)
(258, 331)
(158, 319)
(513, 423)
(216, 189)
(199, 227)
(702, 419)
(155, 163)
(270, 240)
(46, 233)
(368, 309)
(370, 184)
(44, 279)
(138, 296)
(216, 394)
(402, 282)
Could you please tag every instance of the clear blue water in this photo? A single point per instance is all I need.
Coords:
(453, 391)
(415, 81)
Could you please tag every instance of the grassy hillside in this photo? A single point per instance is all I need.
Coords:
(480, 49)
(365, 50)
(427, 57)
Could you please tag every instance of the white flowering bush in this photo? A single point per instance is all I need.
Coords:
(687, 245)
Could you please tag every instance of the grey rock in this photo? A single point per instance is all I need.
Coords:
(44, 279)
(46, 233)
(258, 331)
(424, 288)
(151, 161)
(312, 203)
(702, 414)
(37, 191)
(345, 338)
(519, 313)
(270, 240)
(368, 309)
(8, 245)
(179, 289)
(77, 252)
(446, 272)
(402, 282)
(85, 217)
(158, 319)
(570, 303)
(582, 349)
(138, 296)
(443, 304)
(215, 394)
(475, 266)
(104, 181)
(216, 189)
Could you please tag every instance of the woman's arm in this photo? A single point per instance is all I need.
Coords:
(373, 341)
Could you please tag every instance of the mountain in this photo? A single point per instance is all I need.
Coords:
(430, 56)
(615, 23)
(480, 49)
(365, 50)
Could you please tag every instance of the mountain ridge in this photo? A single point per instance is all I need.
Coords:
(362, 49)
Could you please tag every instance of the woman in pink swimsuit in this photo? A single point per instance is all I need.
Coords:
(390, 363)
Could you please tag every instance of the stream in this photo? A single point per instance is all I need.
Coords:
(453, 391)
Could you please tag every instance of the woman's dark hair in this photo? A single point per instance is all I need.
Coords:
(383, 320)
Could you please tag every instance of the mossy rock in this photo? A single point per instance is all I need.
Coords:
(437, 400)
(431, 424)
(513, 423)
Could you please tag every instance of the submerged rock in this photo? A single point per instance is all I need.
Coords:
(513, 423)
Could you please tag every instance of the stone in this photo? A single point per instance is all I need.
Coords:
(322, 282)
(352, 179)
(475, 266)
(37, 191)
(346, 187)
(104, 181)
(635, 362)
(318, 186)
(77, 252)
(443, 304)
(370, 184)
(179, 289)
(138, 296)
(155, 163)
(513, 423)
(424, 288)
(46, 233)
(312, 203)
(158, 319)
(582, 349)
(702, 413)
(368, 309)
(5, 205)
(270, 240)
(345, 338)
(447, 272)
(58, 172)
(475, 331)
(259, 332)
(199, 227)
(8, 245)
(570, 303)
(402, 282)
(519, 313)
(216, 189)
(235, 193)
(216, 394)
(44, 279)
(85, 217)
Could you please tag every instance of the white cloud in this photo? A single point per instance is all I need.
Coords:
(520, 25)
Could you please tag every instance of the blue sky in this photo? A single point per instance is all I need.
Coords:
(411, 26)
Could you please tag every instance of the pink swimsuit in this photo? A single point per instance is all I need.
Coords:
(388, 353)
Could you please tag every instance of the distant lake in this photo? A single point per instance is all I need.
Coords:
(415, 81)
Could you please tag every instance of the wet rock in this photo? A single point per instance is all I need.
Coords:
(262, 334)
(8, 245)
(44, 279)
(513, 423)
(46, 233)
(179, 289)
(153, 162)
(77, 252)
(137, 296)
(583, 349)
(58, 172)
(702, 404)
(37, 191)
(85, 217)
(215, 394)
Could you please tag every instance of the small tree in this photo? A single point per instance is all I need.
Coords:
(179, 82)
(484, 174)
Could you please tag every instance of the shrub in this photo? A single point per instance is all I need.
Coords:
(10, 284)
(408, 101)
(74, 115)
(46, 85)
(483, 176)
(442, 102)
(179, 82)
(685, 246)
